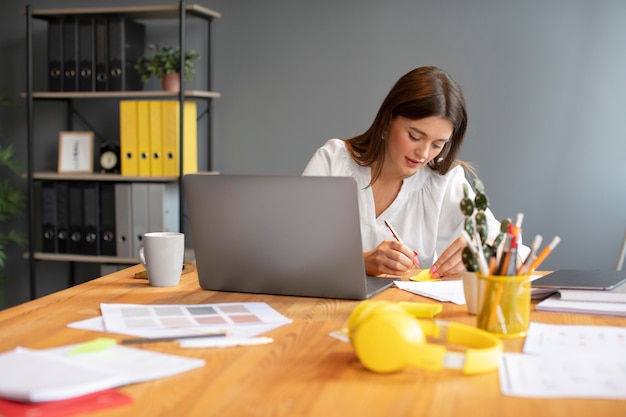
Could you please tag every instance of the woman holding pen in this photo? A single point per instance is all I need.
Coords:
(408, 176)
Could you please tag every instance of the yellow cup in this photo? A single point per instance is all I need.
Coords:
(505, 307)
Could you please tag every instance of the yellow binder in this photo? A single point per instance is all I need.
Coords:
(156, 139)
(143, 137)
(169, 114)
(171, 142)
(128, 137)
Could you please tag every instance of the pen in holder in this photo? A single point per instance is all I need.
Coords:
(505, 308)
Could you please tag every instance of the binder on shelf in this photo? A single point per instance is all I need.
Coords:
(107, 219)
(127, 39)
(128, 137)
(139, 191)
(63, 216)
(143, 138)
(86, 54)
(163, 207)
(171, 134)
(91, 218)
(55, 55)
(102, 54)
(70, 54)
(49, 217)
(156, 138)
(75, 213)
(123, 220)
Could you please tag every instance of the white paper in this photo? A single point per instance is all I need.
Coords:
(558, 339)
(567, 361)
(451, 291)
(580, 375)
(57, 374)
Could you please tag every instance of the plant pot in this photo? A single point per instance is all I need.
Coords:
(171, 82)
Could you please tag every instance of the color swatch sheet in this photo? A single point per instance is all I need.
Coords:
(237, 319)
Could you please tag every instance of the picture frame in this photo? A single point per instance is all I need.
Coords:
(76, 151)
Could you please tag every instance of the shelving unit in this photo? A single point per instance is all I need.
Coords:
(177, 12)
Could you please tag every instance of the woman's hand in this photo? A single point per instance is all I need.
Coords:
(390, 257)
(450, 261)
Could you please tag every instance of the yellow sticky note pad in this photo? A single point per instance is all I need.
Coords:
(424, 275)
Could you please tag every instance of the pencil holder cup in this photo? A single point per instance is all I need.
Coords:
(505, 306)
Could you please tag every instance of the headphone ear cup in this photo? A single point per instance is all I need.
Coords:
(385, 338)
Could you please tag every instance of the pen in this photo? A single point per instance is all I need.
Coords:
(544, 253)
(416, 261)
(531, 256)
(171, 338)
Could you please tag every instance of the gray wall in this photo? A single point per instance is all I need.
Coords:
(545, 83)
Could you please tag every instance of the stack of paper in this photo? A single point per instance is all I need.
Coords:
(61, 373)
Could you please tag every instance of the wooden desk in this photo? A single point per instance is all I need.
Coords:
(304, 372)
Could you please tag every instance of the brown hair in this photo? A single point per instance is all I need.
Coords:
(423, 92)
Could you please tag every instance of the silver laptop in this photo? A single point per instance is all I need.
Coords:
(286, 235)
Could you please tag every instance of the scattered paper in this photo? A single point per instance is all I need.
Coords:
(567, 361)
(446, 291)
(563, 376)
(57, 374)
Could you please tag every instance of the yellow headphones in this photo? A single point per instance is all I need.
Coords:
(387, 338)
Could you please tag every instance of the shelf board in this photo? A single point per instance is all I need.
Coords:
(135, 12)
(58, 95)
(100, 177)
(71, 257)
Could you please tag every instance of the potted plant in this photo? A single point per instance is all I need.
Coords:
(165, 65)
(12, 202)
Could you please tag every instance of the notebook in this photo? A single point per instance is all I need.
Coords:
(284, 235)
(602, 280)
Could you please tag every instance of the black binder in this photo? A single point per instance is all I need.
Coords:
(91, 219)
(127, 40)
(102, 54)
(55, 55)
(86, 54)
(63, 218)
(70, 54)
(107, 219)
(75, 201)
(49, 217)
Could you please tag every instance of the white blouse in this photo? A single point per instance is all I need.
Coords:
(426, 213)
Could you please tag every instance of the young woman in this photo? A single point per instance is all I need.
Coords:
(407, 173)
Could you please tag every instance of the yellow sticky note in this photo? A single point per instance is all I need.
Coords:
(424, 275)
(96, 345)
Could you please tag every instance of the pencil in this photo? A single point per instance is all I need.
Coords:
(171, 338)
(544, 254)
(395, 235)
(531, 256)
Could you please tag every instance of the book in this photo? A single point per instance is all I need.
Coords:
(558, 305)
(616, 295)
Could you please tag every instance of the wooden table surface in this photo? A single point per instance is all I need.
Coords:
(305, 372)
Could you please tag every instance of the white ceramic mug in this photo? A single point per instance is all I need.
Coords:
(162, 253)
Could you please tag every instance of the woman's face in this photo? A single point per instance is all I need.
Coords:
(411, 144)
